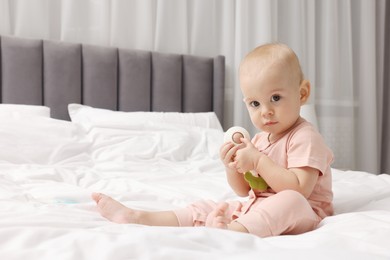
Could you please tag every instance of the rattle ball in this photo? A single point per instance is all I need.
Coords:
(233, 134)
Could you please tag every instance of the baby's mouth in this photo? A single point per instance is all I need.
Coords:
(270, 123)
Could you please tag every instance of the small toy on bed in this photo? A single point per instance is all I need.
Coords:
(234, 134)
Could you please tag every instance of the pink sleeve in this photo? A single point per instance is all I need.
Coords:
(306, 148)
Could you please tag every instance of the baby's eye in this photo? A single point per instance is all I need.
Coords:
(254, 103)
(275, 98)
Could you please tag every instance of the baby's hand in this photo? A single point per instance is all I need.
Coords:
(227, 153)
(246, 157)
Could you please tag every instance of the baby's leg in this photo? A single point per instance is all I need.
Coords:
(286, 212)
(119, 213)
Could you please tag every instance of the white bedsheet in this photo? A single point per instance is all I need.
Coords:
(46, 211)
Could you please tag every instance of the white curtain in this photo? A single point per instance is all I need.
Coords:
(335, 40)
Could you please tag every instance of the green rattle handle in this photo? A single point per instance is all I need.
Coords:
(256, 183)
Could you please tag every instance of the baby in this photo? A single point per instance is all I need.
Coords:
(288, 153)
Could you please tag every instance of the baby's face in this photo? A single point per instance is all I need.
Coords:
(272, 98)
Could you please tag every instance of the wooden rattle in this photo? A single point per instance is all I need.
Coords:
(234, 134)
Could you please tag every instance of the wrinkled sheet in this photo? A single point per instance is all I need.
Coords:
(46, 211)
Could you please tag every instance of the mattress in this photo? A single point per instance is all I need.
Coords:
(153, 161)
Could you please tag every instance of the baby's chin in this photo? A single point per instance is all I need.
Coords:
(269, 129)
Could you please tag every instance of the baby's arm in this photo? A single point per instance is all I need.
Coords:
(235, 179)
(277, 177)
(301, 179)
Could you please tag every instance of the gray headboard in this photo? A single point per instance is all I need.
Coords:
(53, 73)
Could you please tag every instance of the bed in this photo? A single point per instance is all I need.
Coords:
(145, 128)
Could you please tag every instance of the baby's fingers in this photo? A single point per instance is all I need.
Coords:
(225, 149)
(232, 164)
(228, 152)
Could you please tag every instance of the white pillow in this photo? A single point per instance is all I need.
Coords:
(90, 116)
(42, 140)
(148, 136)
(17, 111)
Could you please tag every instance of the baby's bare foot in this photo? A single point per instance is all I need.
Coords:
(114, 210)
(218, 218)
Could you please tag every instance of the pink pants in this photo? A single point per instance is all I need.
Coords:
(286, 212)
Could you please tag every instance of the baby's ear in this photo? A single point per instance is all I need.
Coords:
(304, 91)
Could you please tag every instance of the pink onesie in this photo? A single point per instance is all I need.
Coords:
(287, 212)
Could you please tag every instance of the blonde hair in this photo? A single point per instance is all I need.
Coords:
(270, 54)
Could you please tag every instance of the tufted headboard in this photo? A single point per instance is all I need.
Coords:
(53, 73)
